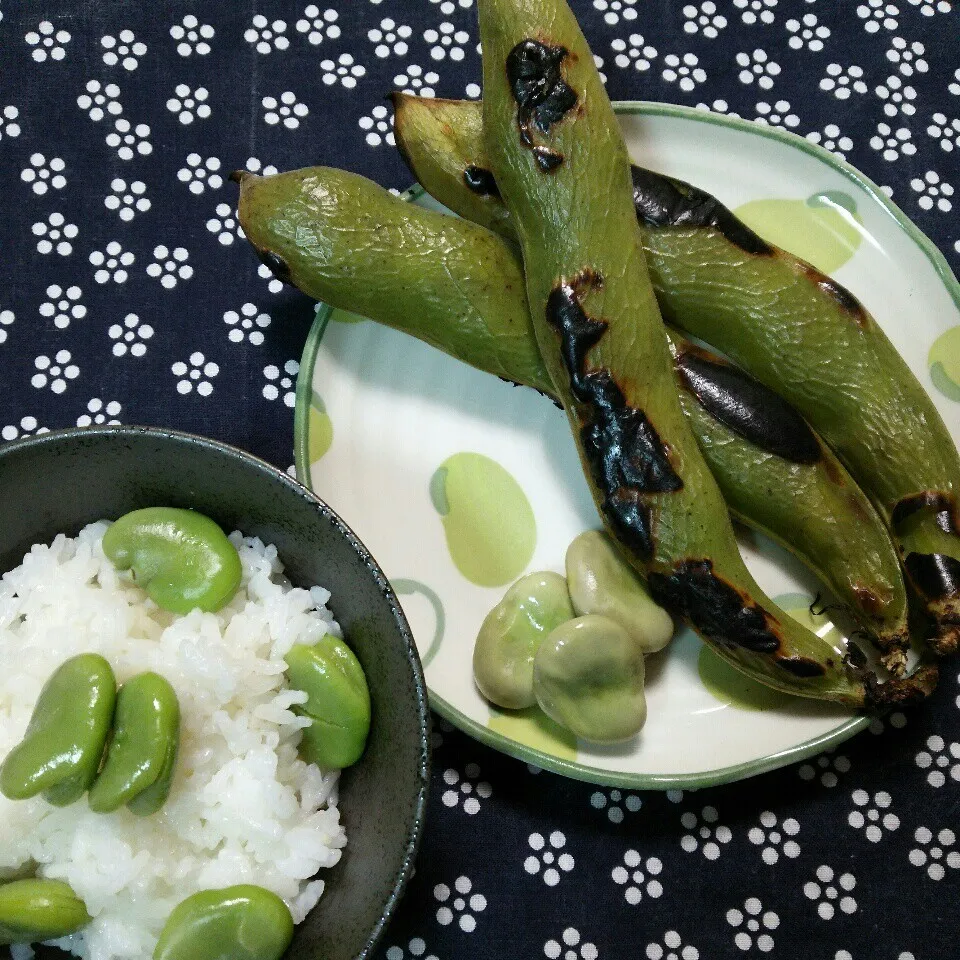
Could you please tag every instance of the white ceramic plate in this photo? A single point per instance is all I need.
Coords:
(380, 415)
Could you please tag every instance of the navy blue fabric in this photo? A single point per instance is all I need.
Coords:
(851, 855)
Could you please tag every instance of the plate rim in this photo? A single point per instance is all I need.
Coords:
(545, 761)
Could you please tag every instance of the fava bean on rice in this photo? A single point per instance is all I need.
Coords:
(243, 809)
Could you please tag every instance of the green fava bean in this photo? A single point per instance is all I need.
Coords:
(60, 753)
(238, 923)
(600, 581)
(510, 634)
(588, 676)
(141, 757)
(32, 911)
(338, 704)
(181, 558)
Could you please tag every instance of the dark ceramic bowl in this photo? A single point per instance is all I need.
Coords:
(58, 482)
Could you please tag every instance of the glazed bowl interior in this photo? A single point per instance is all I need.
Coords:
(58, 482)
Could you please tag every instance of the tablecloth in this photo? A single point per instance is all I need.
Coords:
(129, 295)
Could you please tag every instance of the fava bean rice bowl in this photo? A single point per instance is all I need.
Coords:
(244, 808)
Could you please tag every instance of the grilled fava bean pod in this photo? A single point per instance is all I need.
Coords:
(141, 757)
(812, 508)
(61, 750)
(783, 320)
(561, 165)
(294, 220)
(793, 488)
(35, 910)
(244, 922)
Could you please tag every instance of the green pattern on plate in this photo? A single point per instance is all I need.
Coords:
(533, 728)
(944, 363)
(406, 588)
(798, 606)
(487, 519)
(320, 431)
(824, 229)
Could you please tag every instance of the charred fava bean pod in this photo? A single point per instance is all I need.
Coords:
(802, 334)
(812, 508)
(783, 320)
(561, 165)
(791, 486)
(341, 238)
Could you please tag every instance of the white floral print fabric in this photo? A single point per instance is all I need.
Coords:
(130, 294)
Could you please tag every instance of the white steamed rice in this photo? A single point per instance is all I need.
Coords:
(243, 808)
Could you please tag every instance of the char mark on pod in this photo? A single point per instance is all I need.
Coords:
(547, 159)
(802, 666)
(842, 297)
(855, 656)
(899, 691)
(627, 458)
(935, 575)
(664, 202)
(535, 73)
(944, 505)
(747, 407)
(277, 265)
(869, 600)
(718, 610)
(481, 182)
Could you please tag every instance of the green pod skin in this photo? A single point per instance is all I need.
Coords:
(237, 923)
(290, 217)
(785, 322)
(814, 509)
(562, 167)
(35, 910)
(339, 702)
(181, 558)
(61, 751)
(790, 485)
(141, 757)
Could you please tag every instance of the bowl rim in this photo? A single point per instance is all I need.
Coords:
(415, 831)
